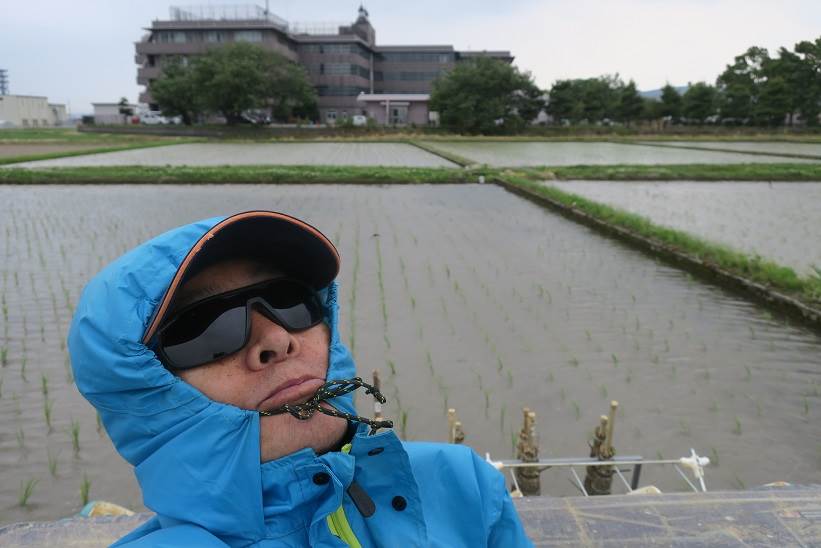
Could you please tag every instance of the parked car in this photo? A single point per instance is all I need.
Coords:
(155, 118)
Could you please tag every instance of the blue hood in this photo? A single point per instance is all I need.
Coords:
(197, 461)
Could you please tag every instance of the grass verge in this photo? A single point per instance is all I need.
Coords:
(231, 174)
(85, 152)
(707, 254)
(449, 156)
(684, 172)
(716, 147)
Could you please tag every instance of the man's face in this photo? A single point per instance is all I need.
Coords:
(275, 367)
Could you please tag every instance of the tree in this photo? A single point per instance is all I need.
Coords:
(699, 102)
(565, 102)
(176, 92)
(739, 86)
(485, 95)
(125, 109)
(232, 79)
(290, 93)
(809, 100)
(671, 102)
(631, 104)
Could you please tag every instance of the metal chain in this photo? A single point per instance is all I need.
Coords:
(332, 389)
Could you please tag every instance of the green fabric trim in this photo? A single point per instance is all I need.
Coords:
(338, 521)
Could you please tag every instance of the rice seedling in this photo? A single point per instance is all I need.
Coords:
(499, 364)
(75, 436)
(4, 355)
(52, 464)
(574, 361)
(737, 427)
(509, 378)
(25, 492)
(403, 424)
(615, 360)
(739, 483)
(749, 375)
(85, 487)
(576, 410)
(806, 410)
(23, 369)
(487, 403)
(392, 368)
(21, 438)
(47, 407)
(44, 384)
(684, 428)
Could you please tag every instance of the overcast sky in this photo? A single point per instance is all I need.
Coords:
(82, 51)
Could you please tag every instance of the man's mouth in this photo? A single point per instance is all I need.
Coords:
(293, 391)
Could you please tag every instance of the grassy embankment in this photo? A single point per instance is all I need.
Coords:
(807, 289)
(387, 175)
(91, 143)
(231, 174)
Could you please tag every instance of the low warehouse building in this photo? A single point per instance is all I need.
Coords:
(30, 111)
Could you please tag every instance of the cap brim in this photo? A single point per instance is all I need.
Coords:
(293, 246)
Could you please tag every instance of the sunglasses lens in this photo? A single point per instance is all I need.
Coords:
(218, 326)
(204, 334)
(294, 305)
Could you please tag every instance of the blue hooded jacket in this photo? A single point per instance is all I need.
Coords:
(198, 461)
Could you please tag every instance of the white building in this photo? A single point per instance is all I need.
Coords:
(30, 111)
(109, 113)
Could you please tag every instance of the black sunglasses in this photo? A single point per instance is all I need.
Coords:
(220, 325)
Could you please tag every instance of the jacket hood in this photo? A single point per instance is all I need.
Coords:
(194, 458)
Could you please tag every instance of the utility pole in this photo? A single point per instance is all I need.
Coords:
(4, 82)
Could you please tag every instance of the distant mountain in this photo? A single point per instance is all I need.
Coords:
(656, 93)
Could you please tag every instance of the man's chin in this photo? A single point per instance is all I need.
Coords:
(289, 435)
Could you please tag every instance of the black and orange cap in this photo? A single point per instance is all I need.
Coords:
(285, 242)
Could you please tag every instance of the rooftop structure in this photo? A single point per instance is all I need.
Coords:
(342, 60)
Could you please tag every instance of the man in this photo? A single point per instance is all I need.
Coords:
(212, 353)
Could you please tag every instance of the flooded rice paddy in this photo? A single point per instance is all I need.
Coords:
(489, 304)
(779, 221)
(513, 154)
(772, 147)
(206, 154)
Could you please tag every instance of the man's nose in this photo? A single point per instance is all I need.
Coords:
(269, 342)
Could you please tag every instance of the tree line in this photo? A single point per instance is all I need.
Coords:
(232, 80)
(755, 89)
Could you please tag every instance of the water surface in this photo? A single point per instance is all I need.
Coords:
(490, 303)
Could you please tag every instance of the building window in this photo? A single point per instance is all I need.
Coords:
(411, 76)
(174, 37)
(417, 57)
(248, 36)
(340, 91)
(214, 36)
(331, 116)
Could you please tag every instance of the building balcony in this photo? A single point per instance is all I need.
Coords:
(170, 48)
(145, 74)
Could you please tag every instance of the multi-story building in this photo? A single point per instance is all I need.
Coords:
(349, 70)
